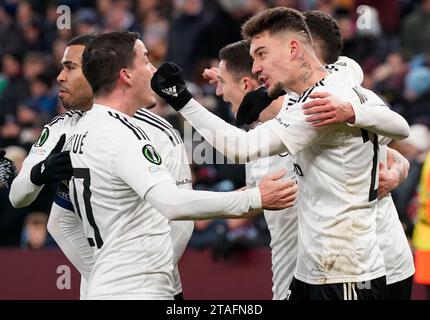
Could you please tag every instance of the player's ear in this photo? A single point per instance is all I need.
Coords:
(247, 84)
(294, 48)
(125, 76)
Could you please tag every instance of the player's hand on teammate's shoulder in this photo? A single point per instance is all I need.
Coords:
(327, 109)
(276, 192)
(169, 83)
(7, 171)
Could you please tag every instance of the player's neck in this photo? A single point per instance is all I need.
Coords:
(309, 71)
(118, 102)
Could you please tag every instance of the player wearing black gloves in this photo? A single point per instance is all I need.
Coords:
(253, 103)
(168, 82)
(56, 167)
(7, 171)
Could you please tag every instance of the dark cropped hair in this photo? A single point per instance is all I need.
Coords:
(105, 56)
(237, 59)
(276, 20)
(326, 31)
(81, 40)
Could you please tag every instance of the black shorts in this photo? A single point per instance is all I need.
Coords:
(370, 290)
(401, 290)
(179, 296)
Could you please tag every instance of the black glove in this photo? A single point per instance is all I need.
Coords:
(56, 167)
(253, 103)
(168, 82)
(7, 171)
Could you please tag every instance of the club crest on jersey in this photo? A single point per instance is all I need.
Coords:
(42, 138)
(170, 91)
(151, 154)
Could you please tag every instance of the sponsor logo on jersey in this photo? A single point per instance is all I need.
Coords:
(151, 154)
(286, 125)
(183, 181)
(42, 138)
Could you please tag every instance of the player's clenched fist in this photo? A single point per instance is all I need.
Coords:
(277, 193)
(168, 82)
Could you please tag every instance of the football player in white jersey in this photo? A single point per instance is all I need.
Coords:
(46, 163)
(64, 224)
(327, 43)
(399, 263)
(338, 164)
(121, 188)
(233, 80)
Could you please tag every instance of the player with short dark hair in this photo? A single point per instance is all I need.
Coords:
(336, 165)
(122, 190)
(399, 264)
(64, 224)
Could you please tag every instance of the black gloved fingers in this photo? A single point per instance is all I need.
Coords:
(169, 68)
(59, 159)
(63, 168)
(59, 144)
(64, 176)
(253, 103)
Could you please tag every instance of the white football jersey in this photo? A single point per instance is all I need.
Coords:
(337, 169)
(168, 142)
(23, 192)
(115, 164)
(282, 224)
(399, 263)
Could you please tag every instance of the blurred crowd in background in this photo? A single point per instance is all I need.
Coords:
(393, 49)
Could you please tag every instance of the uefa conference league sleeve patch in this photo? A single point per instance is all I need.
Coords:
(42, 138)
(151, 154)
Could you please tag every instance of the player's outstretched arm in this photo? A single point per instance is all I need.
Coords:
(372, 115)
(273, 193)
(236, 144)
(393, 174)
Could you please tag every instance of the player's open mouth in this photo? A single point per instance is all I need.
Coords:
(264, 80)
